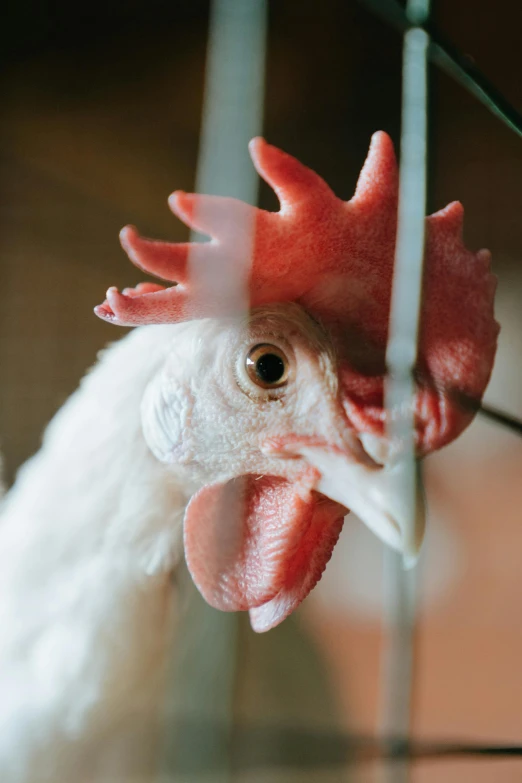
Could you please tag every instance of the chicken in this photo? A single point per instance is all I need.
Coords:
(241, 438)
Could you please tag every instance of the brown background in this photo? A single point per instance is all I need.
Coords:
(100, 120)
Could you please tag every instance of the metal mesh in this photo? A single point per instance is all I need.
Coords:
(422, 43)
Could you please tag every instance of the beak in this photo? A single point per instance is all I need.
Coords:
(380, 496)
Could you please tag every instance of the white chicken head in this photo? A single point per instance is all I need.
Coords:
(273, 417)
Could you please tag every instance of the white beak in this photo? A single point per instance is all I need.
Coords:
(380, 496)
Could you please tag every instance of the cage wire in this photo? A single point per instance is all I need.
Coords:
(204, 669)
(400, 583)
(232, 114)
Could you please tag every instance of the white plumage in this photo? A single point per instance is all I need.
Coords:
(179, 429)
(88, 537)
(92, 530)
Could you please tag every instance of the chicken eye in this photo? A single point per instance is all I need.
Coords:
(267, 366)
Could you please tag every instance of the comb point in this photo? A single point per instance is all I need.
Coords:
(379, 178)
(292, 181)
(448, 221)
(128, 233)
(179, 204)
(128, 236)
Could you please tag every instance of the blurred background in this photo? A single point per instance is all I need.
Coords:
(100, 121)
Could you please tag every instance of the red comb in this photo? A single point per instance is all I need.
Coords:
(314, 234)
(336, 259)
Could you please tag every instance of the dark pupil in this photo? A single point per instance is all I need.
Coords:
(270, 368)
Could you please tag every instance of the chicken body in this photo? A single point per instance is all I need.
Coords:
(92, 531)
(241, 440)
(88, 537)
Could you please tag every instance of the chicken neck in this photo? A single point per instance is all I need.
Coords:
(89, 536)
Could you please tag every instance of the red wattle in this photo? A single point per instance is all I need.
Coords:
(257, 542)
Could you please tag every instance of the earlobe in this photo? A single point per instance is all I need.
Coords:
(439, 418)
(166, 410)
(440, 414)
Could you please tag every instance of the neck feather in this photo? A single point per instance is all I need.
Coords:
(89, 535)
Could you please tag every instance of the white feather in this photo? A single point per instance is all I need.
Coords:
(91, 532)
(88, 537)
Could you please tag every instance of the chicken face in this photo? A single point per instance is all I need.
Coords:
(253, 411)
(269, 418)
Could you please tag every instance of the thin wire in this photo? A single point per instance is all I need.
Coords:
(401, 354)
(203, 677)
(447, 57)
(471, 404)
(259, 746)
(501, 418)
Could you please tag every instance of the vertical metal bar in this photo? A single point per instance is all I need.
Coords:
(202, 682)
(400, 584)
(232, 115)
(233, 103)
